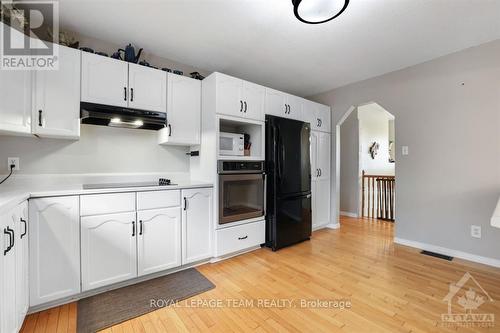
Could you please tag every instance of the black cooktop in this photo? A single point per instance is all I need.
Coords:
(160, 182)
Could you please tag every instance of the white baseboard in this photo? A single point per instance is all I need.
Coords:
(333, 226)
(349, 214)
(449, 252)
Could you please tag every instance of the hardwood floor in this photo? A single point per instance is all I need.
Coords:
(392, 288)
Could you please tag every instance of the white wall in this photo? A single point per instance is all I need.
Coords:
(374, 127)
(99, 150)
(349, 164)
(448, 113)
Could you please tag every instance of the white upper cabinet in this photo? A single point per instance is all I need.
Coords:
(283, 105)
(254, 98)
(108, 249)
(317, 115)
(158, 240)
(183, 111)
(147, 88)
(56, 102)
(104, 80)
(196, 225)
(15, 97)
(323, 155)
(54, 245)
(239, 98)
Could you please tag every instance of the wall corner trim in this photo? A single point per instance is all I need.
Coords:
(449, 252)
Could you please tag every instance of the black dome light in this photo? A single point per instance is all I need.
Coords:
(318, 11)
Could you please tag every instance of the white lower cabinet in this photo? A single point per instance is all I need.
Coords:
(54, 248)
(320, 202)
(196, 225)
(159, 240)
(22, 263)
(109, 252)
(241, 237)
(9, 315)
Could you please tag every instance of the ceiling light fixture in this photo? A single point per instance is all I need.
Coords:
(318, 11)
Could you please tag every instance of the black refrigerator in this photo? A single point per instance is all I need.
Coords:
(288, 193)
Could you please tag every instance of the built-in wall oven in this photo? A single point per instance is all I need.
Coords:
(242, 192)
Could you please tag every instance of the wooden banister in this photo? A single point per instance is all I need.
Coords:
(377, 196)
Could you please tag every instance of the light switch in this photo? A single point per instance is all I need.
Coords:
(404, 150)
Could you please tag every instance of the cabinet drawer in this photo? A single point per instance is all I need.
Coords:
(98, 204)
(158, 199)
(240, 237)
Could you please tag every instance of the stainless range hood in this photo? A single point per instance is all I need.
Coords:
(106, 115)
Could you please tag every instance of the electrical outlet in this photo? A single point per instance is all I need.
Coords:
(475, 231)
(404, 150)
(15, 161)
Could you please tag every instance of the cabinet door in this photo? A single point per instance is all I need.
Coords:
(22, 257)
(276, 103)
(54, 246)
(314, 154)
(323, 154)
(104, 80)
(8, 307)
(294, 107)
(147, 88)
(321, 207)
(323, 116)
(229, 97)
(15, 108)
(108, 249)
(159, 240)
(196, 225)
(254, 98)
(56, 108)
(183, 111)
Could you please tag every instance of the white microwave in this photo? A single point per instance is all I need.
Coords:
(231, 144)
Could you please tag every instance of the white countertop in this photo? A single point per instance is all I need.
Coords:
(16, 192)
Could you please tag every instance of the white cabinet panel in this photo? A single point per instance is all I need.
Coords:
(317, 115)
(314, 154)
(294, 107)
(108, 249)
(56, 109)
(197, 225)
(8, 307)
(239, 98)
(147, 88)
(158, 199)
(54, 246)
(183, 111)
(241, 237)
(229, 100)
(324, 117)
(254, 97)
(15, 108)
(283, 105)
(22, 262)
(324, 155)
(158, 240)
(104, 80)
(15, 95)
(276, 104)
(321, 202)
(98, 204)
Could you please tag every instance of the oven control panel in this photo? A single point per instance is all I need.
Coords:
(241, 166)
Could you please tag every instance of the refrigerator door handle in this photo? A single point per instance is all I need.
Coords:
(265, 194)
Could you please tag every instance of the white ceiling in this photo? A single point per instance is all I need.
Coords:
(261, 41)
